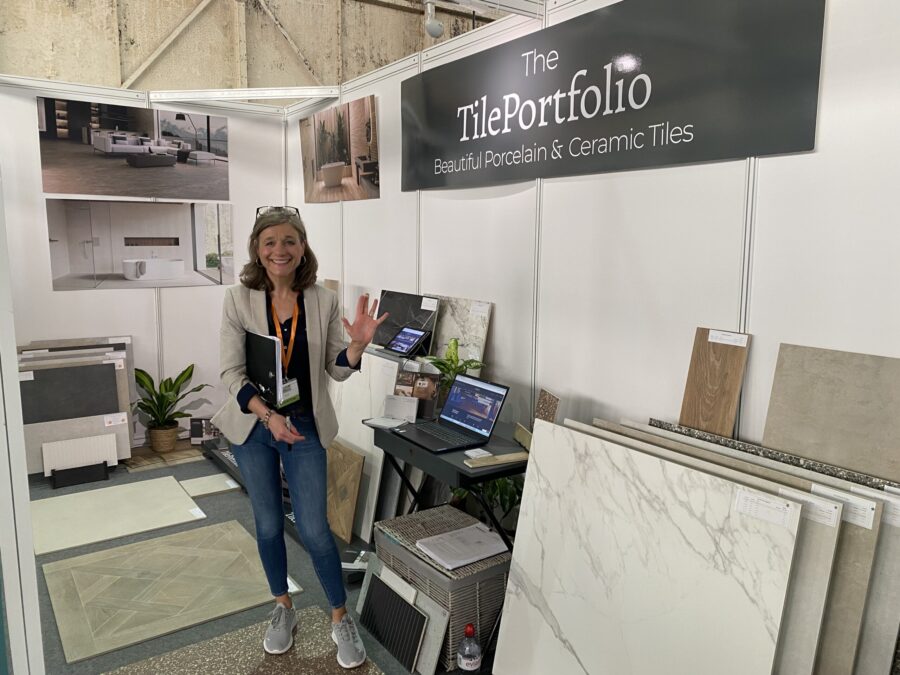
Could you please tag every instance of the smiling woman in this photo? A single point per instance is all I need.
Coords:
(278, 297)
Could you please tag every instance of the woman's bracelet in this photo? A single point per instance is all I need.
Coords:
(265, 420)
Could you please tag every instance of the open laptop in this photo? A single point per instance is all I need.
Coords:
(466, 421)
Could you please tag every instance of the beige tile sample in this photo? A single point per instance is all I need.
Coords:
(854, 559)
(345, 467)
(837, 407)
(205, 486)
(817, 538)
(106, 513)
(128, 594)
(239, 653)
(881, 617)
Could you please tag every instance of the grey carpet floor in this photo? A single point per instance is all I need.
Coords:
(218, 508)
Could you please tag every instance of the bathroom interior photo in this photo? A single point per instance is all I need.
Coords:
(340, 153)
(118, 244)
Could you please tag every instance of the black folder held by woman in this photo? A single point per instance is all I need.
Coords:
(264, 366)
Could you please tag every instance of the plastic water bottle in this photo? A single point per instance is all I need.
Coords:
(468, 656)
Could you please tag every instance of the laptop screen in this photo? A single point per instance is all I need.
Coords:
(474, 404)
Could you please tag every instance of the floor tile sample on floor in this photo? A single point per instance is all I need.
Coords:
(836, 407)
(106, 513)
(210, 485)
(617, 550)
(714, 380)
(240, 653)
(144, 459)
(817, 538)
(858, 544)
(125, 595)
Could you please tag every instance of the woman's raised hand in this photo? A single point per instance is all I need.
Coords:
(364, 325)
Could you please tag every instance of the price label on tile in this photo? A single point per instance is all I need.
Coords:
(125, 340)
(429, 304)
(230, 483)
(723, 337)
(818, 510)
(198, 512)
(481, 309)
(26, 376)
(115, 419)
(890, 515)
(762, 506)
(116, 355)
(857, 510)
(118, 363)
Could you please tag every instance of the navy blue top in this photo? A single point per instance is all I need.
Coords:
(298, 367)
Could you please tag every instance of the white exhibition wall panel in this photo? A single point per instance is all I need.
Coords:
(825, 270)
(631, 264)
(380, 240)
(323, 221)
(40, 312)
(190, 317)
(479, 243)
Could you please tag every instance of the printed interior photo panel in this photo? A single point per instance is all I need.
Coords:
(339, 151)
(125, 151)
(116, 244)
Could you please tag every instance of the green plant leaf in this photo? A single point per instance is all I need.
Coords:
(183, 377)
(144, 381)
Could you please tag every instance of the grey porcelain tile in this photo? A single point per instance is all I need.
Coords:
(623, 563)
(837, 407)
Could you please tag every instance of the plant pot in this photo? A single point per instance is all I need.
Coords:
(163, 440)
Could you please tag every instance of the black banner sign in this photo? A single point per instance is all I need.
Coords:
(640, 83)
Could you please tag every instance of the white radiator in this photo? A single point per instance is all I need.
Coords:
(70, 454)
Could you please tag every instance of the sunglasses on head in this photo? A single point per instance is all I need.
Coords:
(263, 210)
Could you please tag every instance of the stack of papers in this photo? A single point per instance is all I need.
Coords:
(462, 547)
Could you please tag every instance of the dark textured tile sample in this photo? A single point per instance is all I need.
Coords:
(405, 309)
(63, 393)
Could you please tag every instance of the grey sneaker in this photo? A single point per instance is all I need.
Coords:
(351, 651)
(280, 633)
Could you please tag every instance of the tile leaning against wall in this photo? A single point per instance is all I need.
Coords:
(824, 266)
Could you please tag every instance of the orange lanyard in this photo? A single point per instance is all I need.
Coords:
(286, 353)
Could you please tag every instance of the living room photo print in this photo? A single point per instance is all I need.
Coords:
(124, 151)
(339, 150)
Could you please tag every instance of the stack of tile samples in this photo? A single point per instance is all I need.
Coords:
(75, 389)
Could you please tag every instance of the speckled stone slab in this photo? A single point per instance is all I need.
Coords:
(546, 406)
(240, 653)
(777, 455)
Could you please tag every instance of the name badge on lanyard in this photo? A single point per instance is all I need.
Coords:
(290, 390)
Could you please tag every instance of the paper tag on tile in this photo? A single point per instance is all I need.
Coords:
(762, 506)
(429, 304)
(125, 340)
(812, 508)
(198, 512)
(481, 308)
(725, 338)
(118, 363)
(230, 483)
(477, 452)
(857, 510)
(26, 376)
(114, 419)
(890, 515)
(28, 353)
(116, 355)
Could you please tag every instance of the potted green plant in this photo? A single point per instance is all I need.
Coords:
(502, 495)
(160, 406)
(450, 366)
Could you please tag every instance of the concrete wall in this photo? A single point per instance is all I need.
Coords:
(229, 44)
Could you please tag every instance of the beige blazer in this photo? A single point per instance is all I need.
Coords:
(244, 310)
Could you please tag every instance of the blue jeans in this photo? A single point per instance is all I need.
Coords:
(306, 471)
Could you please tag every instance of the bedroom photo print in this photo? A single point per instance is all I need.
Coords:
(124, 151)
(339, 151)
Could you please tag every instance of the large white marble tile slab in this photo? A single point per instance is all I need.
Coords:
(359, 397)
(625, 563)
(863, 612)
(814, 553)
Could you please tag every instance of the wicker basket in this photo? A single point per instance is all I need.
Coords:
(472, 594)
